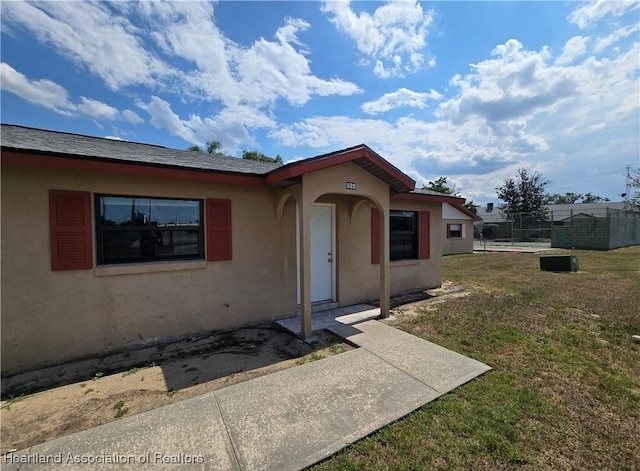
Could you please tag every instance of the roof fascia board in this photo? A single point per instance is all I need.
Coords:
(15, 159)
(301, 167)
(427, 198)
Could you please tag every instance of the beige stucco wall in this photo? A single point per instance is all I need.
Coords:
(357, 279)
(49, 316)
(408, 274)
(458, 245)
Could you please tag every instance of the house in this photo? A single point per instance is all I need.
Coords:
(567, 220)
(458, 224)
(110, 245)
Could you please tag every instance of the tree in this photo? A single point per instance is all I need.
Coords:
(260, 157)
(634, 182)
(589, 198)
(524, 194)
(212, 147)
(572, 198)
(441, 186)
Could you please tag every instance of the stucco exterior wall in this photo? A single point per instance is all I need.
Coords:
(357, 279)
(409, 274)
(48, 316)
(456, 245)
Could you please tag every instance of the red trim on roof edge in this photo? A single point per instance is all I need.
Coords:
(426, 198)
(301, 167)
(16, 159)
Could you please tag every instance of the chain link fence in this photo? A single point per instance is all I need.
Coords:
(597, 228)
(517, 227)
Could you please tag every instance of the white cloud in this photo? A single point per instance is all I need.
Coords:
(40, 92)
(399, 98)
(573, 49)
(246, 81)
(621, 33)
(162, 116)
(132, 117)
(269, 70)
(231, 126)
(97, 109)
(513, 110)
(51, 95)
(104, 39)
(516, 83)
(587, 15)
(114, 138)
(394, 36)
(90, 35)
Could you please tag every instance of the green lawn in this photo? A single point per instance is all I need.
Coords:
(564, 392)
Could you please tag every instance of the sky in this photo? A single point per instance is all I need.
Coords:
(468, 90)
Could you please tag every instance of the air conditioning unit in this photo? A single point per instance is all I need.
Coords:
(559, 263)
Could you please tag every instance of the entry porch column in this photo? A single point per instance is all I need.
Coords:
(385, 290)
(305, 203)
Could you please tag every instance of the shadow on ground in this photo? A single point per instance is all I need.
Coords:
(406, 297)
(189, 361)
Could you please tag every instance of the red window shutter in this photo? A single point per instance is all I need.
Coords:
(448, 231)
(70, 226)
(375, 236)
(425, 236)
(219, 230)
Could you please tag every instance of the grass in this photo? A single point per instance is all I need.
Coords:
(12, 400)
(120, 409)
(311, 357)
(564, 392)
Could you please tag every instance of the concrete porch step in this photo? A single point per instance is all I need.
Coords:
(341, 315)
(323, 306)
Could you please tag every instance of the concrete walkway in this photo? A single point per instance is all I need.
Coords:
(284, 421)
(517, 247)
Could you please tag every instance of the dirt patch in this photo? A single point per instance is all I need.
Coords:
(411, 304)
(219, 361)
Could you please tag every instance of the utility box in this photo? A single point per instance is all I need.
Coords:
(559, 263)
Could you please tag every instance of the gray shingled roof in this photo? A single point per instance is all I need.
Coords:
(23, 139)
(422, 191)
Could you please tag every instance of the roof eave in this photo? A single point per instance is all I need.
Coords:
(400, 182)
(20, 157)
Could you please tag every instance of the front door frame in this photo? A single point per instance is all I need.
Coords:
(334, 257)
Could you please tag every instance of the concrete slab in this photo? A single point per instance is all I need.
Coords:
(322, 320)
(284, 421)
(433, 365)
(187, 435)
(297, 417)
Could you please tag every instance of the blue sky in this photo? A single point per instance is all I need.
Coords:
(468, 90)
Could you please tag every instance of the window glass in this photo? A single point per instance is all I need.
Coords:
(138, 229)
(455, 230)
(403, 235)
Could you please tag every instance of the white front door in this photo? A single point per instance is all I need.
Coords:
(322, 256)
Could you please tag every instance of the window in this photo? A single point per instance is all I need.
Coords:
(409, 235)
(454, 231)
(134, 229)
(403, 235)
